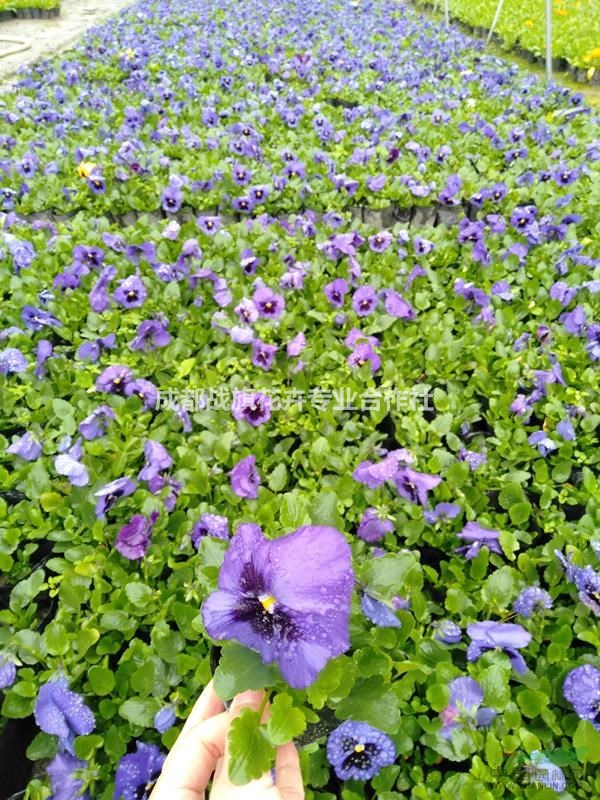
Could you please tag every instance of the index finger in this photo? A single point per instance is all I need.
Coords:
(288, 777)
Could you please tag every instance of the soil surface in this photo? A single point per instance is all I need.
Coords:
(46, 37)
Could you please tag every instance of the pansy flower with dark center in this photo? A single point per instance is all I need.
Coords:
(138, 772)
(532, 600)
(131, 292)
(477, 537)
(210, 525)
(245, 479)
(506, 637)
(251, 407)
(111, 492)
(336, 291)
(414, 485)
(358, 751)
(364, 301)
(288, 598)
(114, 379)
(263, 354)
(585, 579)
(145, 390)
(582, 689)
(151, 333)
(268, 304)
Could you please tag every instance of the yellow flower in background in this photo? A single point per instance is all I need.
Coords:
(85, 169)
(528, 23)
(595, 52)
(129, 53)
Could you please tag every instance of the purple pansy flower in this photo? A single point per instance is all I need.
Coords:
(566, 430)
(336, 291)
(586, 580)
(138, 772)
(210, 525)
(36, 318)
(288, 598)
(133, 540)
(131, 292)
(96, 424)
(43, 352)
(543, 442)
(27, 447)
(12, 360)
(373, 475)
(582, 689)
(268, 304)
(442, 512)
(414, 485)
(164, 719)
(245, 479)
(111, 492)
(472, 458)
(364, 301)
(532, 600)
(263, 354)
(378, 612)
(463, 710)
(477, 537)
(505, 636)
(145, 390)
(99, 299)
(448, 632)
(62, 771)
(251, 407)
(358, 751)
(114, 379)
(63, 713)
(151, 334)
(364, 354)
(296, 345)
(372, 527)
(69, 464)
(397, 306)
(8, 673)
(157, 460)
(380, 242)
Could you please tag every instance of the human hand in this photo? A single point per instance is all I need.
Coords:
(202, 749)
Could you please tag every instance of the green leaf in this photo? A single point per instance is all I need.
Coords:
(138, 594)
(510, 495)
(532, 702)
(61, 408)
(323, 510)
(251, 753)
(587, 740)
(501, 587)
(278, 478)
(391, 574)
(494, 682)
(140, 710)
(240, 669)
(101, 680)
(44, 746)
(519, 513)
(25, 591)
(372, 702)
(493, 751)
(285, 721)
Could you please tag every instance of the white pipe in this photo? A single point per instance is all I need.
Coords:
(446, 13)
(549, 40)
(494, 21)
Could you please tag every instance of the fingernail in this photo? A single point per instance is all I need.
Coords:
(250, 698)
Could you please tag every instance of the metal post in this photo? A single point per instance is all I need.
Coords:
(446, 13)
(494, 21)
(549, 40)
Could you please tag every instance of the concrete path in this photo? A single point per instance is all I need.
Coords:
(46, 37)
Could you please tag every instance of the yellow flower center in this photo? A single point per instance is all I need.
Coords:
(267, 601)
(85, 169)
(359, 748)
